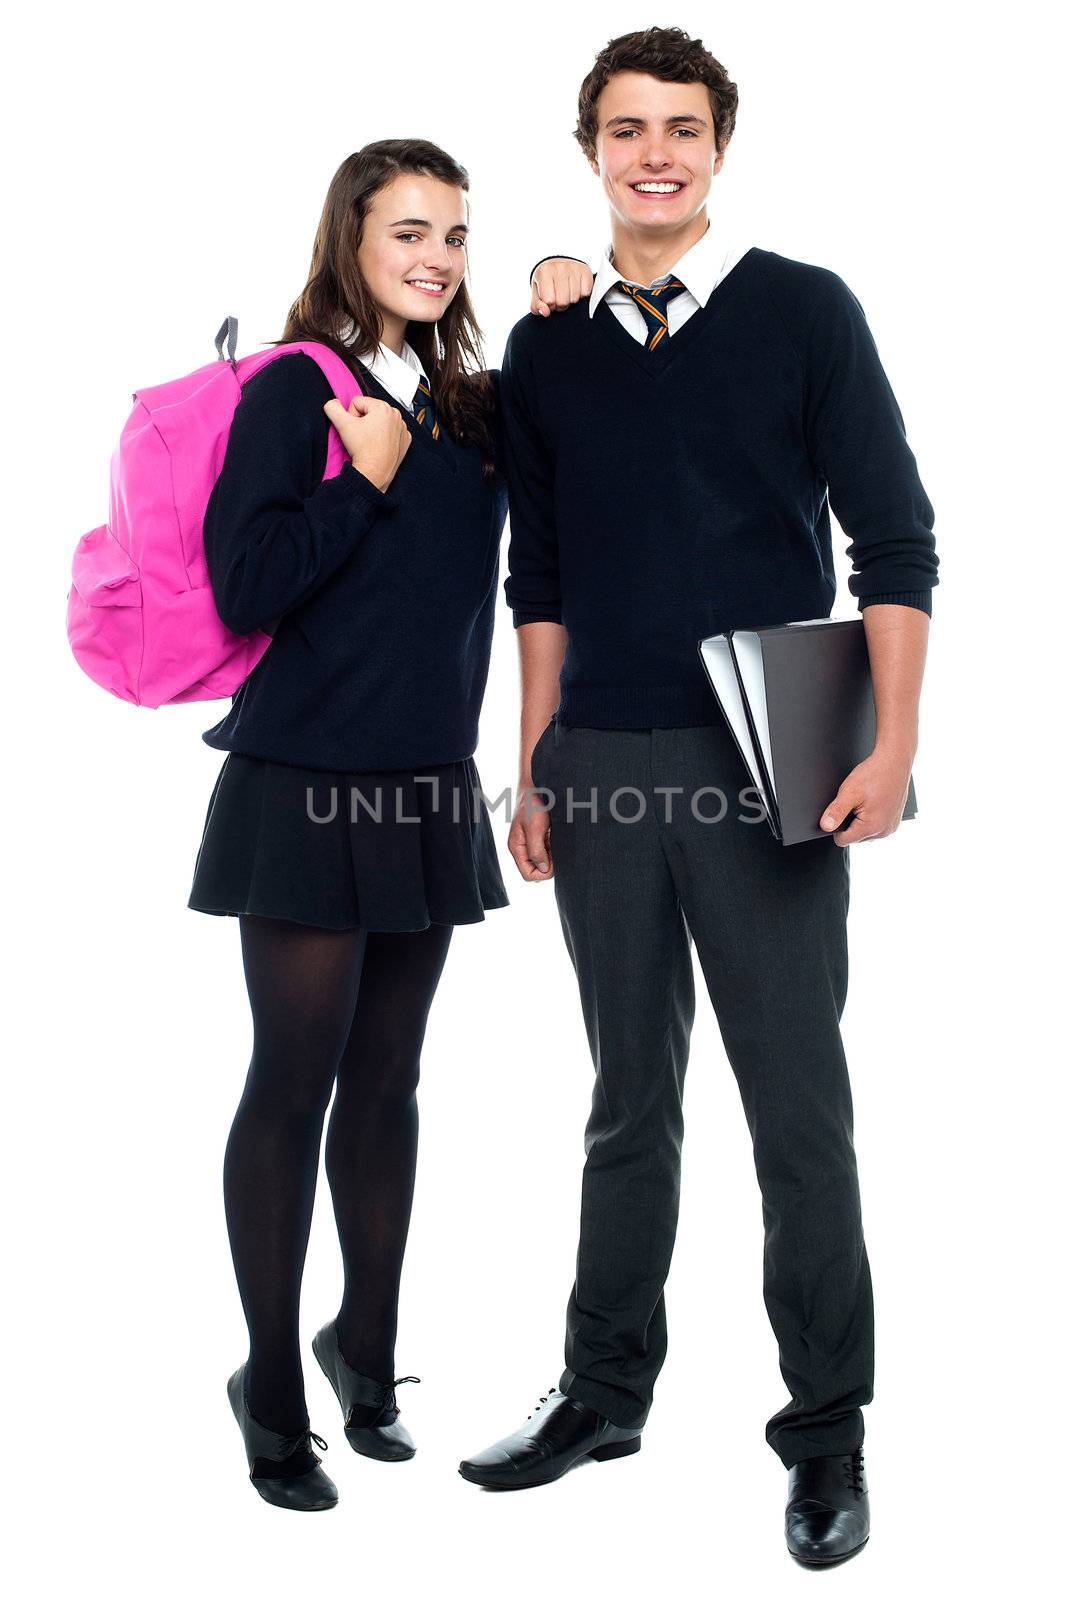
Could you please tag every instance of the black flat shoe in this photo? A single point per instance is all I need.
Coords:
(564, 1433)
(371, 1424)
(312, 1490)
(827, 1516)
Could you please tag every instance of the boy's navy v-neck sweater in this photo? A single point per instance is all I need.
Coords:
(657, 497)
(381, 605)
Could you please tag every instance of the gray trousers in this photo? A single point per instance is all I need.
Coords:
(635, 883)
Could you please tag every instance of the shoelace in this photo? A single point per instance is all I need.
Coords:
(543, 1402)
(387, 1399)
(390, 1392)
(293, 1443)
(854, 1469)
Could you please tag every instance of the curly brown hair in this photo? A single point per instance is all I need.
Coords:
(451, 350)
(665, 53)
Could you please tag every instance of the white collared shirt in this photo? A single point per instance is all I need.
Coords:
(701, 268)
(400, 374)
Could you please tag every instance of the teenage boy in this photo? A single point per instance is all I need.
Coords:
(671, 444)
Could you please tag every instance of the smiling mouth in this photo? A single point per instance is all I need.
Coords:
(426, 285)
(666, 186)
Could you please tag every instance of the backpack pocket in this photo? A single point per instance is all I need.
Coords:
(104, 613)
(103, 574)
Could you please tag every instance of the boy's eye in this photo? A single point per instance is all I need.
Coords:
(624, 132)
(460, 243)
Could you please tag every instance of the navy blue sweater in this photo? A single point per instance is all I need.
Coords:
(381, 605)
(660, 496)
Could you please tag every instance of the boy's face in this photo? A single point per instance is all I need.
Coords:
(658, 134)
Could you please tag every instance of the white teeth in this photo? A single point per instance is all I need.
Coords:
(423, 283)
(657, 188)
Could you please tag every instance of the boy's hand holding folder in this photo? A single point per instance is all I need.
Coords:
(876, 792)
(798, 698)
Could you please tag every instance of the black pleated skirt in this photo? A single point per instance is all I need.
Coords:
(385, 851)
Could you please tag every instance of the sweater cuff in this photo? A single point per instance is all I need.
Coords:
(557, 257)
(921, 599)
(357, 482)
(348, 493)
(536, 616)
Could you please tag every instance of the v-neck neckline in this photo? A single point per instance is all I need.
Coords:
(441, 451)
(656, 362)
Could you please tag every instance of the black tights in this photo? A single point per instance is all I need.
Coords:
(328, 1006)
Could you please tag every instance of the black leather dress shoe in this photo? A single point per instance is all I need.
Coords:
(827, 1516)
(562, 1433)
(267, 1451)
(371, 1424)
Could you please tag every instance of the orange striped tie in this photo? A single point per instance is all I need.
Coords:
(652, 304)
(425, 413)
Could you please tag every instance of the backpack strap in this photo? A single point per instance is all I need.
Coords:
(339, 376)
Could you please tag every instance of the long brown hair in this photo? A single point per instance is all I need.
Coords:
(451, 350)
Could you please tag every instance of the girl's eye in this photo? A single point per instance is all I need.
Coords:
(404, 238)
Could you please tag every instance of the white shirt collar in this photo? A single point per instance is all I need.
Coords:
(400, 375)
(699, 268)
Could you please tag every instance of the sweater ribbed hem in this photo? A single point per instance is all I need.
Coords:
(336, 761)
(536, 616)
(920, 598)
(621, 706)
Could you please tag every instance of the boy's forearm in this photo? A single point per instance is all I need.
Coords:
(897, 637)
(541, 652)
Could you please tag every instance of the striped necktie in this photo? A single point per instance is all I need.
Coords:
(652, 303)
(424, 410)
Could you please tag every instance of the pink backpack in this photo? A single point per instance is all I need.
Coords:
(141, 616)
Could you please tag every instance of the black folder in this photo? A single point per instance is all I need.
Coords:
(799, 700)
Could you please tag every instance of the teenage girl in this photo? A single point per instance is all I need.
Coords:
(344, 829)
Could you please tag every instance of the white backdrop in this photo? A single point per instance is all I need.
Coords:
(166, 167)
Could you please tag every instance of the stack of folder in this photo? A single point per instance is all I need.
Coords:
(799, 700)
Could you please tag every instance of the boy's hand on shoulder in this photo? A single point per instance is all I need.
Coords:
(558, 283)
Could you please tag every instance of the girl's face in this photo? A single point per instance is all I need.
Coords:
(413, 251)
